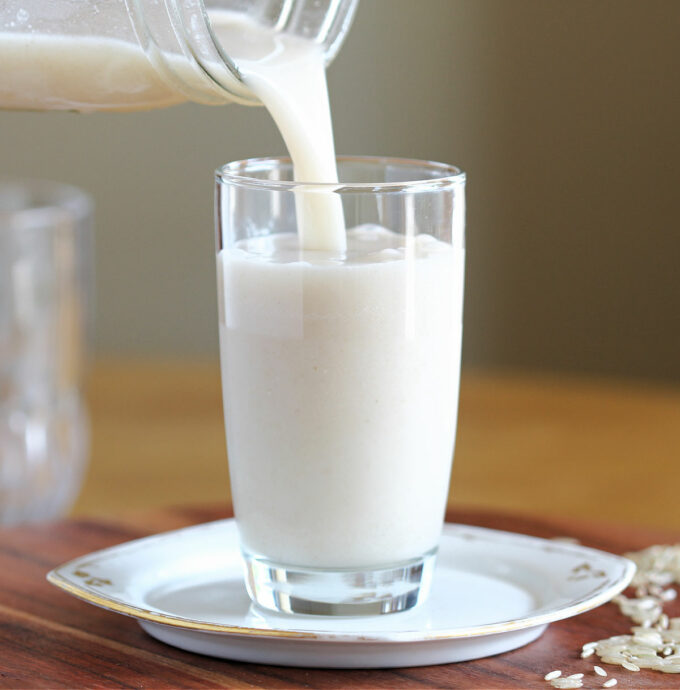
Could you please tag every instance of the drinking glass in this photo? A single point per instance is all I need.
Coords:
(340, 376)
(45, 235)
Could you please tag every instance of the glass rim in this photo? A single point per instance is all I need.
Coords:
(43, 198)
(235, 173)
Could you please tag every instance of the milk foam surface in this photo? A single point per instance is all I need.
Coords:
(340, 379)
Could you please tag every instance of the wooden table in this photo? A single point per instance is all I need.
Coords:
(544, 445)
(574, 452)
(51, 640)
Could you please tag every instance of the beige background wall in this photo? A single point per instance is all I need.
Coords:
(564, 113)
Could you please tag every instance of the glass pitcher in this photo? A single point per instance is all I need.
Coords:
(118, 55)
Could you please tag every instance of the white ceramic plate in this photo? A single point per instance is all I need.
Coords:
(492, 591)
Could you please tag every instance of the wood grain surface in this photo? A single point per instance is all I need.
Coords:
(51, 640)
(589, 449)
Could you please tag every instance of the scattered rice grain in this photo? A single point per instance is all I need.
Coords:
(669, 668)
(616, 660)
(648, 637)
(654, 641)
(566, 683)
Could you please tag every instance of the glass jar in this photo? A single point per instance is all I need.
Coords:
(119, 55)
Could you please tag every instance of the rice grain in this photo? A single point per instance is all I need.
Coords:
(654, 640)
(567, 683)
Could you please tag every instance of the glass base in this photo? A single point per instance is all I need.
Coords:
(341, 592)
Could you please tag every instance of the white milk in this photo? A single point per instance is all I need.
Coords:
(340, 380)
(286, 73)
(44, 72)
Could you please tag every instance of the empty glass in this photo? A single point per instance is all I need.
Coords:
(45, 236)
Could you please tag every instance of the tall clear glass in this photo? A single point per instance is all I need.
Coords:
(340, 375)
(45, 253)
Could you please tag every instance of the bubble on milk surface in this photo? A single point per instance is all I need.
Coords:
(368, 232)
